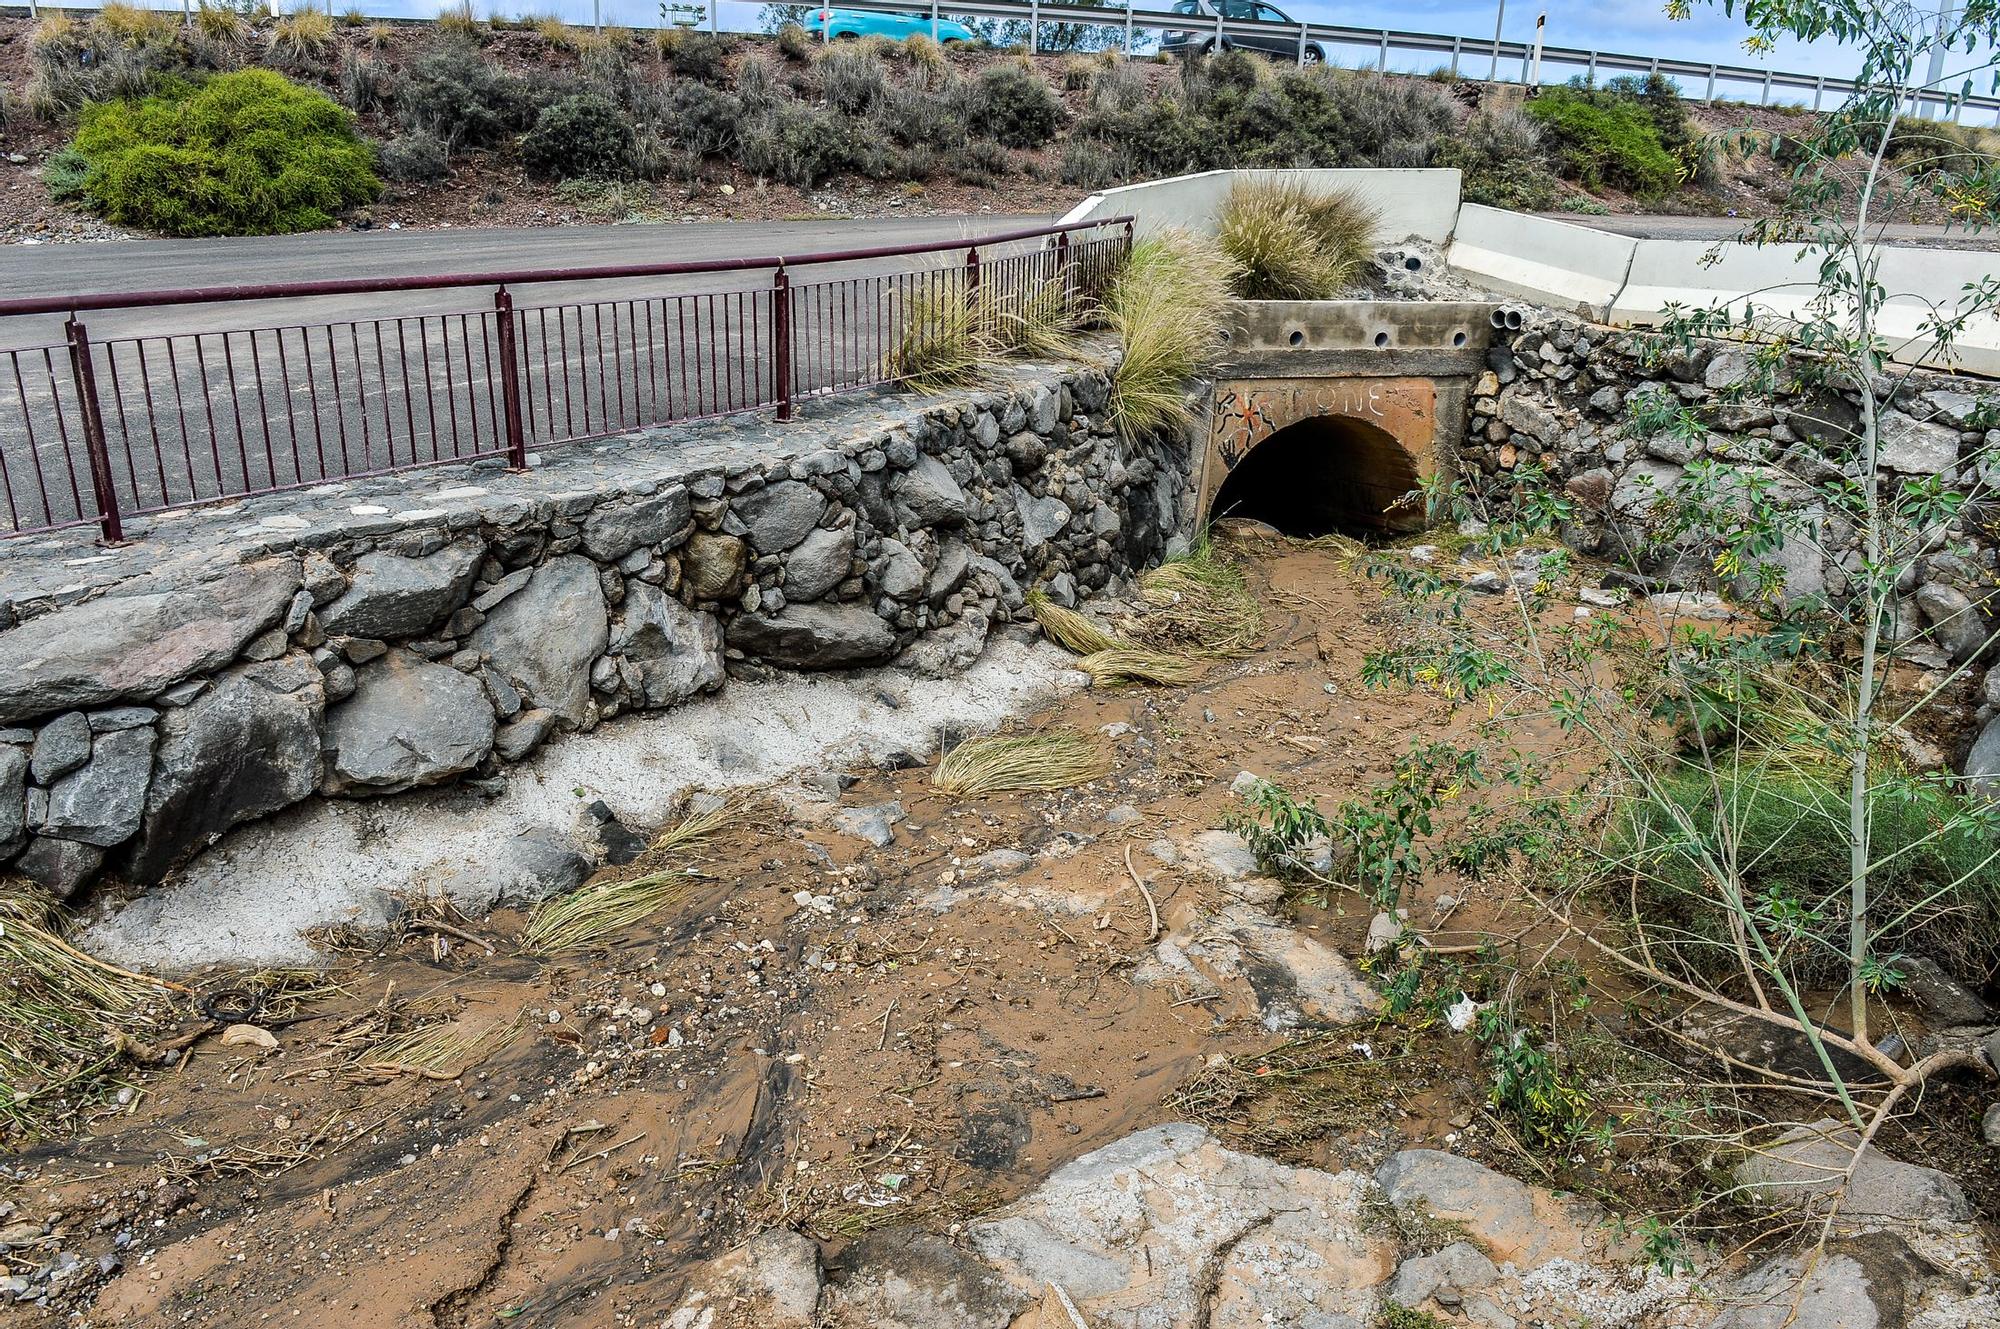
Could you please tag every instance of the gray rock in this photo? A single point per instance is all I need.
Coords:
(1461, 1267)
(1955, 623)
(392, 596)
(1525, 415)
(617, 529)
(948, 651)
(1914, 447)
(409, 723)
(900, 572)
(677, 650)
(1727, 369)
(1226, 854)
(903, 1278)
(930, 495)
(62, 746)
(712, 565)
(244, 749)
(779, 516)
(135, 645)
(814, 636)
(954, 565)
(121, 717)
(1943, 999)
(1863, 1282)
(101, 804)
(1499, 1212)
(1042, 519)
(1796, 568)
(59, 866)
(13, 792)
(774, 1277)
(1982, 764)
(501, 589)
(1826, 420)
(1643, 486)
(543, 638)
(819, 563)
(875, 824)
(1989, 1125)
(1804, 1165)
(529, 868)
(523, 734)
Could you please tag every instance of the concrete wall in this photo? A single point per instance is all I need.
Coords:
(244, 659)
(1574, 268)
(1419, 204)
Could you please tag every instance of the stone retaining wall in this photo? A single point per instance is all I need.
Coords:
(145, 713)
(1561, 394)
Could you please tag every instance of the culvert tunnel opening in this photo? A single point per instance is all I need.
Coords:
(1325, 476)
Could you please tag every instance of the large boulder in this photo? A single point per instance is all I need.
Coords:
(820, 563)
(1982, 764)
(1955, 622)
(677, 650)
(393, 596)
(712, 565)
(814, 636)
(137, 645)
(1914, 447)
(543, 638)
(929, 494)
(1806, 1164)
(615, 530)
(901, 1278)
(59, 866)
(409, 723)
(101, 803)
(245, 748)
(779, 516)
(1509, 1219)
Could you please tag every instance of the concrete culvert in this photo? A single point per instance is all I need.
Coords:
(1324, 476)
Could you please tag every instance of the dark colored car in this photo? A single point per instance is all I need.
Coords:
(1283, 42)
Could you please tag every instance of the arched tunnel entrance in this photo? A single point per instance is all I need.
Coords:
(1324, 475)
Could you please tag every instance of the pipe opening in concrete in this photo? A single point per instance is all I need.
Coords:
(1297, 338)
(1326, 475)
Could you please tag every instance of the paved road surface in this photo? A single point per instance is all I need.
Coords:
(1728, 228)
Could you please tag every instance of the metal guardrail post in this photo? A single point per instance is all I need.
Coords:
(1382, 53)
(506, 337)
(1764, 98)
(1591, 76)
(1034, 26)
(1819, 90)
(781, 341)
(1710, 97)
(934, 19)
(1128, 27)
(1302, 46)
(94, 447)
(1457, 47)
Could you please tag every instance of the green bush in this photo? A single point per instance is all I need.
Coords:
(248, 153)
(704, 120)
(1504, 161)
(794, 42)
(796, 145)
(415, 158)
(1788, 829)
(582, 136)
(1603, 138)
(463, 99)
(64, 173)
(852, 79)
(703, 56)
(1011, 105)
(935, 120)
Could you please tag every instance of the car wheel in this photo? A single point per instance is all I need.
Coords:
(847, 36)
(1315, 56)
(953, 42)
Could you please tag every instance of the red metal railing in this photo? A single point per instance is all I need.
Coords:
(94, 432)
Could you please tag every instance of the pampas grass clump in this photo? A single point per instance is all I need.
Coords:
(1292, 242)
(1053, 760)
(1165, 307)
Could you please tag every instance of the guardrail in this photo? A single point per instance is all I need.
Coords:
(98, 431)
(1387, 41)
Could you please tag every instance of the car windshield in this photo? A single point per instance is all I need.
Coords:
(1187, 6)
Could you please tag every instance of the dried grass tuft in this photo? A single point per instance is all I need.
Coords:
(602, 908)
(1057, 759)
(1069, 629)
(1165, 307)
(1200, 605)
(1293, 242)
(1134, 664)
(62, 1014)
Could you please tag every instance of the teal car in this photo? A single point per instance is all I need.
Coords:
(836, 24)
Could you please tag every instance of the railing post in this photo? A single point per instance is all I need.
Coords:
(94, 447)
(510, 379)
(781, 341)
(1710, 97)
(1302, 46)
(1382, 57)
(1764, 98)
(1062, 268)
(1457, 48)
(934, 19)
(1034, 25)
(1819, 91)
(1128, 28)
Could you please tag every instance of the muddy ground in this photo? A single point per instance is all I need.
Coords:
(822, 1034)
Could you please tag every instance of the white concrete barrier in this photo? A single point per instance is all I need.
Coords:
(1556, 263)
(1415, 204)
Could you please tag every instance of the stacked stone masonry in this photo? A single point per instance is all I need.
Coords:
(142, 718)
(1562, 395)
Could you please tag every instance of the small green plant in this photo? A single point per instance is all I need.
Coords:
(581, 136)
(1528, 1083)
(63, 174)
(464, 100)
(131, 25)
(220, 23)
(1504, 160)
(1600, 138)
(852, 80)
(415, 158)
(248, 153)
(458, 21)
(1395, 1315)
(1292, 242)
(702, 56)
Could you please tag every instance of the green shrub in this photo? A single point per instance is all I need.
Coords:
(704, 120)
(852, 80)
(1290, 242)
(794, 43)
(1118, 87)
(1787, 826)
(219, 23)
(1089, 165)
(1504, 161)
(132, 26)
(581, 136)
(703, 56)
(364, 83)
(936, 120)
(1012, 105)
(757, 85)
(248, 153)
(980, 162)
(796, 145)
(415, 158)
(1602, 138)
(462, 98)
(64, 173)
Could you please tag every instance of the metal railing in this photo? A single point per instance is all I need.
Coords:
(97, 431)
(1383, 42)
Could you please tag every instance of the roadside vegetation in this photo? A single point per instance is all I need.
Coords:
(611, 126)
